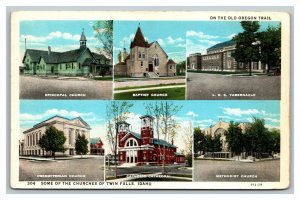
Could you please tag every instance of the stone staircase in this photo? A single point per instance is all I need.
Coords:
(152, 75)
(128, 164)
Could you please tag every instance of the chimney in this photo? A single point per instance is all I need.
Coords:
(49, 50)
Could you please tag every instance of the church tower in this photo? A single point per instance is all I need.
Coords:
(147, 129)
(123, 129)
(82, 40)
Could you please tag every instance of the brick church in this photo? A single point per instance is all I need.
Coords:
(144, 149)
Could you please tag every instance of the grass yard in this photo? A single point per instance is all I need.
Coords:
(168, 93)
(105, 78)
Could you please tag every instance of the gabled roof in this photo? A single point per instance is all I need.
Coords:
(139, 39)
(99, 56)
(163, 143)
(95, 140)
(171, 62)
(66, 119)
(155, 42)
(222, 45)
(34, 54)
(56, 57)
(144, 116)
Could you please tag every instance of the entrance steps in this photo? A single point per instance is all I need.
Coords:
(128, 165)
(152, 75)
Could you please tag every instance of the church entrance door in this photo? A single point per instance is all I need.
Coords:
(150, 67)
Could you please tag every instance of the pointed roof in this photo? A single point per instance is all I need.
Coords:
(171, 62)
(139, 39)
(82, 37)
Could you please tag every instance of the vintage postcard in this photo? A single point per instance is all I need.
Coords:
(150, 100)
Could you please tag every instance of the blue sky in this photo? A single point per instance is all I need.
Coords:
(203, 34)
(61, 35)
(169, 34)
(200, 113)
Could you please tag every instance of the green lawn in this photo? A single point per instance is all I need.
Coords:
(147, 86)
(172, 93)
(105, 78)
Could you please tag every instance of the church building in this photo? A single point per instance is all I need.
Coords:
(145, 59)
(71, 128)
(218, 58)
(143, 148)
(77, 62)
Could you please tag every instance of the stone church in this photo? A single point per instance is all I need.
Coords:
(145, 59)
(70, 127)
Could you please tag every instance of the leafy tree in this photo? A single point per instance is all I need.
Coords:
(199, 141)
(274, 141)
(104, 33)
(247, 44)
(258, 136)
(53, 140)
(81, 145)
(234, 138)
(216, 143)
(181, 68)
(271, 47)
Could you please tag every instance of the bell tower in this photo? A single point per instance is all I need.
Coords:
(82, 40)
(123, 129)
(147, 129)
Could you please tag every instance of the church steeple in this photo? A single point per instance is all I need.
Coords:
(82, 40)
(139, 39)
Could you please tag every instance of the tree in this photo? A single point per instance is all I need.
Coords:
(271, 47)
(234, 138)
(247, 44)
(116, 111)
(181, 68)
(53, 140)
(103, 71)
(199, 142)
(104, 33)
(188, 142)
(274, 141)
(81, 145)
(168, 111)
(257, 135)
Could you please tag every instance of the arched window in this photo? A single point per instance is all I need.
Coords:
(156, 61)
(131, 143)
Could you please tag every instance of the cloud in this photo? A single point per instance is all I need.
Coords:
(210, 121)
(53, 35)
(201, 35)
(160, 42)
(191, 113)
(272, 120)
(230, 36)
(239, 112)
(171, 40)
(26, 118)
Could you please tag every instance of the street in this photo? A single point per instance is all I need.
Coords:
(169, 169)
(216, 170)
(34, 87)
(216, 86)
(90, 169)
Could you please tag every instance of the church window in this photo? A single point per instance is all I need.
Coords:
(143, 55)
(140, 55)
(142, 63)
(131, 143)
